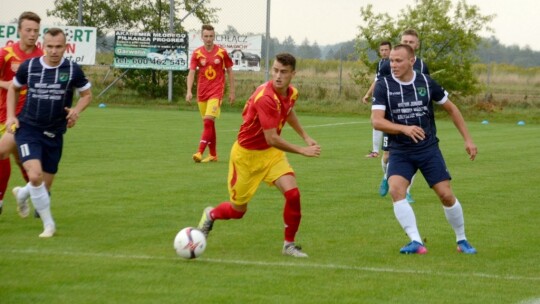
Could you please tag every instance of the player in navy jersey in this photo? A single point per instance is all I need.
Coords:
(47, 113)
(377, 136)
(409, 37)
(403, 108)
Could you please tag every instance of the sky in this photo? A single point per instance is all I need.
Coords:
(330, 21)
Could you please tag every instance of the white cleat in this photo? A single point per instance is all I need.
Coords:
(48, 232)
(22, 204)
(294, 251)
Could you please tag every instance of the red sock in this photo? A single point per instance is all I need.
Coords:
(225, 211)
(206, 136)
(291, 213)
(212, 142)
(5, 172)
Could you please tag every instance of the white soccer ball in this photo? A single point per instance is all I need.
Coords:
(189, 243)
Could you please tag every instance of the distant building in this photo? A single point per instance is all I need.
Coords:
(245, 61)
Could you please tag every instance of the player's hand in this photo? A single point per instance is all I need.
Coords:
(471, 149)
(72, 116)
(232, 97)
(365, 99)
(310, 141)
(12, 124)
(311, 151)
(416, 133)
(189, 96)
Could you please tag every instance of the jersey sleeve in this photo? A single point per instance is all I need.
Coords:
(79, 80)
(227, 61)
(380, 96)
(438, 94)
(384, 70)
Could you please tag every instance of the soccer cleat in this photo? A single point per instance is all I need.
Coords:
(409, 198)
(206, 223)
(292, 250)
(464, 247)
(413, 247)
(372, 155)
(48, 232)
(209, 159)
(197, 157)
(383, 187)
(22, 204)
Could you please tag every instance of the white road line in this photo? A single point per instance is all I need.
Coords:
(276, 264)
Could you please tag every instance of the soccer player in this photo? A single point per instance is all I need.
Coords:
(259, 153)
(377, 136)
(403, 108)
(47, 113)
(11, 57)
(409, 37)
(212, 62)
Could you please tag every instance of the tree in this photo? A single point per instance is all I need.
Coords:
(136, 15)
(449, 38)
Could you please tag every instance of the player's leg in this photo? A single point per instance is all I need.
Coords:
(213, 110)
(383, 187)
(409, 195)
(400, 170)
(5, 163)
(438, 178)
(203, 142)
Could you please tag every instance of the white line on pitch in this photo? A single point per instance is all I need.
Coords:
(319, 126)
(277, 264)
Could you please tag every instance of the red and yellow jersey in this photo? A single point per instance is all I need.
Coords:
(212, 66)
(11, 57)
(264, 110)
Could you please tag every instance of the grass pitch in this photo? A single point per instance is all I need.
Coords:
(127, 185)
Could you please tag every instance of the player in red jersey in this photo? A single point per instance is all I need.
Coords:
(259, 153)
(11, 57)
(212, 62)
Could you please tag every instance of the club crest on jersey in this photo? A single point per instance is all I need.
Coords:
(422, 91)
(216, 61)
(63, 77)
(203, 61)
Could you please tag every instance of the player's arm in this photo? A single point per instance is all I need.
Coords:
(74, 112)
(232, 94)
(293, 121)
(380, 123)
(190, 80)
(11, 104)
(369, 92)
(460, 124)
(275, 140)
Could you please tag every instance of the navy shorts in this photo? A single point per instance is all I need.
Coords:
(35, 143)
(429, 161)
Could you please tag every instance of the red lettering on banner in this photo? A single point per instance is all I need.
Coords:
(70, 48)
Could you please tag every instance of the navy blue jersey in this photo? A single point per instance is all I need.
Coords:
(419, 66)
(379, 67)
(409, 104)
(50, 90)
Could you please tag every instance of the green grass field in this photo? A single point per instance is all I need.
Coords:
(127, 185)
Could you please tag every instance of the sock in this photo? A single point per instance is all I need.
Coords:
(42, 203)
(377, 138)
(406, 218)
(212, 142)
(410, 185)
(291, 214)
(225, 211)
(5, 172)
(206, 134)
(454, 215)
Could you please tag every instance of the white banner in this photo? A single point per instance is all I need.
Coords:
(245, 51)
(81, 40)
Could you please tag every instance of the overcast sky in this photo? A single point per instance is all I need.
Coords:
(517, 22)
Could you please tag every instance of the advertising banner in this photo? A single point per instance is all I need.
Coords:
(81, 40)
(158, 51)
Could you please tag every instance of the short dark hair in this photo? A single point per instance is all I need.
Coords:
(54, 31)
(287, 60)
(207, 27)
(407, 48)
(386, 42)
(29, 16)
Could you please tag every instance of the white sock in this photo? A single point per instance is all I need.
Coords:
(454, 215)
(24, 193)
(377, 139)
(406, 218)
(42, 203)
(410, 185)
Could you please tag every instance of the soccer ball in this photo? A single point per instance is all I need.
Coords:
(189, 243)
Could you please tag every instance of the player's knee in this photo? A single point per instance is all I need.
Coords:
(447, 199)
